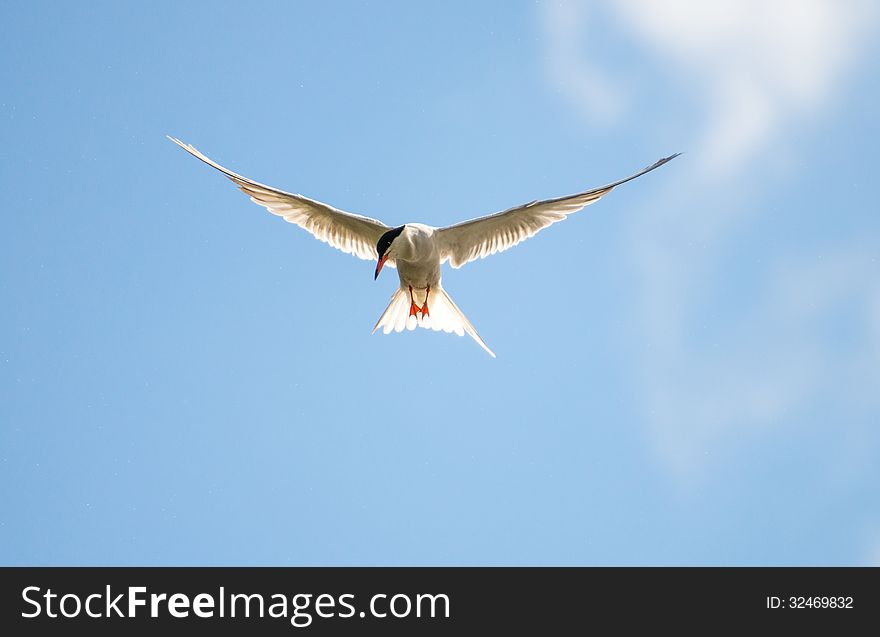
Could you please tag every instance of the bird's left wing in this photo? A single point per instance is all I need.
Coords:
(348, 232)
(479, 238)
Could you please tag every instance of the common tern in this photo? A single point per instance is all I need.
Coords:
(415, 249)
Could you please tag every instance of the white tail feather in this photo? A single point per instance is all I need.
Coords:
(444, 315)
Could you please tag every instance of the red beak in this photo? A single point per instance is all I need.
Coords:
(379, 266)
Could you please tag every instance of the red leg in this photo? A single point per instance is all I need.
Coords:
(413, 308)
(425, 311)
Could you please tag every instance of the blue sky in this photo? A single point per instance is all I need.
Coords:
(687, 371)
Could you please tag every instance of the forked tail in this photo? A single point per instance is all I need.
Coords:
(443, 315)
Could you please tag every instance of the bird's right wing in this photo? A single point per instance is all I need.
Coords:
(348, 232)
(479, 238)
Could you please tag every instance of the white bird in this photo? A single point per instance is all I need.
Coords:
(415, 249)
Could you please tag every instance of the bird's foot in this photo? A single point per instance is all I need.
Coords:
(425, 311)
(414, 309)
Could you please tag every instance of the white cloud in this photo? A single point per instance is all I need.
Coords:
(761, 62)
(776, 361)
(763, 70)
(580, 80)
(758, 63)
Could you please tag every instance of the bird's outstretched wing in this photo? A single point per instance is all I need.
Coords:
(478, 238)
(350, 233)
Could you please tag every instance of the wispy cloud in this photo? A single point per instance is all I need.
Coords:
(584, 83)
(764, 70)
(762, 64)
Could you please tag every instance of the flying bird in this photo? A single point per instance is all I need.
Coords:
(415, 249)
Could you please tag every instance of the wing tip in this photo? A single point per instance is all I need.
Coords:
(664, 160)
(482, 344)
(187, 147)
(644, 171)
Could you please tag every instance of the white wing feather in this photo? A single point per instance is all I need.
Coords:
(479, 238)
(348, 232)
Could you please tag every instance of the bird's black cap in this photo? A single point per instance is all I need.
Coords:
(386, 239)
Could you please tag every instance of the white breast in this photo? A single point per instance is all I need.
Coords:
(417, 256)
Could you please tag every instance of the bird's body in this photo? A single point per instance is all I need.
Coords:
(421, 301)
(417, 256)
(418, 250)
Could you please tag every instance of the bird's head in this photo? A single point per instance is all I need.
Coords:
(385, 246)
